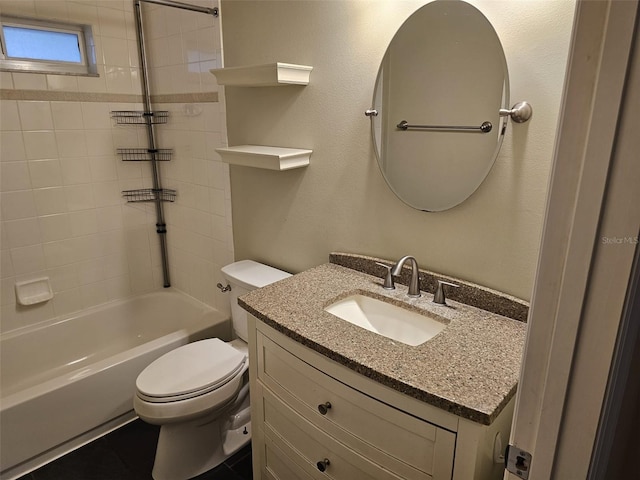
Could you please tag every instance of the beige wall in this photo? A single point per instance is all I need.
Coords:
(340, 202)
(63, 216)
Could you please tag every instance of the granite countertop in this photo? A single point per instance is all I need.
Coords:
(470, 369)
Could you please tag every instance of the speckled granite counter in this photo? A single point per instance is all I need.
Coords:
(470, 369)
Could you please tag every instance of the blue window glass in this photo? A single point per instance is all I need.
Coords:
(22, 42)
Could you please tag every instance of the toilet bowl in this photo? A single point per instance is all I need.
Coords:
(199, 392)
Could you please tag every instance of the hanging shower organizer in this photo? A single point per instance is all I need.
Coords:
(149, 118)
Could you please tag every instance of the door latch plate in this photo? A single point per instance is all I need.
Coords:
(518, 461)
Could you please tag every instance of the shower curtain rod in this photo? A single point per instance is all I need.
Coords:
(184, 6)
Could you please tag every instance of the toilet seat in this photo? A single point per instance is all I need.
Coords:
(190, 371)
(162, 413)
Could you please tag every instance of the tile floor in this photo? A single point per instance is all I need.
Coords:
(127, 454)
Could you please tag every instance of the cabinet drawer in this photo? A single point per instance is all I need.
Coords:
(306, 445)
(278, 466)
(408, 446)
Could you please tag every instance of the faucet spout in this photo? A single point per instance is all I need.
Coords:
(414, 289)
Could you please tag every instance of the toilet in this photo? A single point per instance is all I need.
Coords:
(199, 392)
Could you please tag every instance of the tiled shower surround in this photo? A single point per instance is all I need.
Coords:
(63, 215)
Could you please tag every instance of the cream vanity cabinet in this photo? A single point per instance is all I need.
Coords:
(313, 418)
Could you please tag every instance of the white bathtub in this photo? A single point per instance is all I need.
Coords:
(69, 381)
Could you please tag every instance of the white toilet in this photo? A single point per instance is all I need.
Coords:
(199, 392)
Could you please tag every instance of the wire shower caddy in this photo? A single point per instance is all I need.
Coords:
(145, 154)
(134, 117)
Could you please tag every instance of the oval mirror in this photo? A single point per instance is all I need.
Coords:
(439, 91)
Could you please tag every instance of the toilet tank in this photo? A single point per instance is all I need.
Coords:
(244, 276)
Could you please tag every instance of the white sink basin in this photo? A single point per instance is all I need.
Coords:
(386, 319)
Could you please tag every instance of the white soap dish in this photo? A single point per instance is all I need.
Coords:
(33, 291)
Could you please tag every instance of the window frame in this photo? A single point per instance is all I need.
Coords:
(87, 66)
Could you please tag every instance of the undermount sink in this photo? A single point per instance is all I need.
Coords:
(386, 319)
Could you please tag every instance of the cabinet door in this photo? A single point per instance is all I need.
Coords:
(406, 445)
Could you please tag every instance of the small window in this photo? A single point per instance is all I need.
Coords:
(46, 47)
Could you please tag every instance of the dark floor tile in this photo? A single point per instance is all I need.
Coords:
(221, 472)
(244, 468)
(128, 454)
(94, 461)
(241, 464)
(239, 456)
(135, 445)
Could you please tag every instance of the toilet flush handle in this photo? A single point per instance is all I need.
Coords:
(224, 289)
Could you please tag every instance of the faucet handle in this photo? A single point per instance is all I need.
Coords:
(388, 279)
(439, 296)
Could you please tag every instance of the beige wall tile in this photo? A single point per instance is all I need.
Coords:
(84, 222)
(29, 81)
(55, 227)
(6, 80)
(45, 173)
(40, 145)
(52, 9)
(12, 147)
(112, 21)
(28, 259)
(6, 265)
(14, 176)
(67, 116)
(35, 115)
(64, 83)
(18, 204)
(71, 143)
(50, 200)
(66, 302)
(19, 7)
(79, 197)
(96, 115)
(23, 233)
(102, 168)
(9, 116)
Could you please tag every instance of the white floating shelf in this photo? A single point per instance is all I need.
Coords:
(268, 75)
(271, 158)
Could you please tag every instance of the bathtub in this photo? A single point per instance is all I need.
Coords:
(68, 381)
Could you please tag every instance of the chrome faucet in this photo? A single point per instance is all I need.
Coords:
(414, 288)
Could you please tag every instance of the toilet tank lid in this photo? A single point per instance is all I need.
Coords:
(251, 275)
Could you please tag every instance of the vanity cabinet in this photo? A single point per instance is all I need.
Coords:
(314, 418)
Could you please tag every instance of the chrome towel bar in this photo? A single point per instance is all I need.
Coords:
(519, 113)
(485, 127)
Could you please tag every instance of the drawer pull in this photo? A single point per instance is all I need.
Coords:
(323, 464)
(323, 408)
